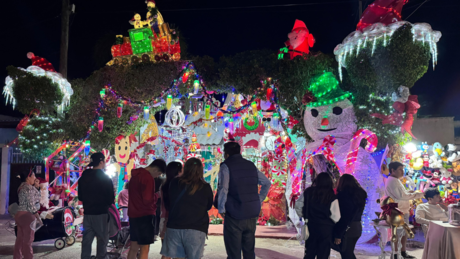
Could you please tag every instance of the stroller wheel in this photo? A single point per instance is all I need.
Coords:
(59, 244)
(70, 240)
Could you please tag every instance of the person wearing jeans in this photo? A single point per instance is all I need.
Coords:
(96, 192)
(239, 201)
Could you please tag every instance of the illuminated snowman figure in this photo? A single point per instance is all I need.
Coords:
(330, 112)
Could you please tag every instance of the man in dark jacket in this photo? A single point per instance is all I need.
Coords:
(239, 201)
(95, 191)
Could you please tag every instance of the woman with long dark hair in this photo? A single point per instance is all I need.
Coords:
(26, 217)
(352, 199)
(320, 209)
(190, 198)
(173, 170)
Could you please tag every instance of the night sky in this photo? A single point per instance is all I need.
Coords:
(217, 28)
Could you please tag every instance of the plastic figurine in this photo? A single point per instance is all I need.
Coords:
(300, 40)
(195, 146)
(136, 21)
(394, 217)
(154, 18)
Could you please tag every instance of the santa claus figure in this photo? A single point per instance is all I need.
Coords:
(300, 40)
(45, 203)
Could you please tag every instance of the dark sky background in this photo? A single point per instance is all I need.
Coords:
(219, 28)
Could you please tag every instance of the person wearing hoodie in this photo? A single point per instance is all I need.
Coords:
(96, 192)
(142, 207)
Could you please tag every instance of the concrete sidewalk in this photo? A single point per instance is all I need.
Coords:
(215, 249)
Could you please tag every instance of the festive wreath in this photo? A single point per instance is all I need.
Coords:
(252, 127)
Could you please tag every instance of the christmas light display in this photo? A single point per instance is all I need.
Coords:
(41, 69)
(378, 33)
(175, 117)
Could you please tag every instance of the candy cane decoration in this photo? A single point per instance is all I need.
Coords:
(106, 153)
(352, 156)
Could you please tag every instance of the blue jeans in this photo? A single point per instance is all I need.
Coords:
(183, 243)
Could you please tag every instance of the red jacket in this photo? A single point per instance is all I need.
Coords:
(142, 197)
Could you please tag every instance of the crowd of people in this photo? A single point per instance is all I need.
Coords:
(174, 208)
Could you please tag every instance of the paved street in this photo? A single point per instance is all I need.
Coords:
(215, 249)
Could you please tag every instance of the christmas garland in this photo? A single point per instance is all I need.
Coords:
(253, 127)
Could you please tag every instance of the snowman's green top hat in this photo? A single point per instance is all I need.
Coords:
(326, 90)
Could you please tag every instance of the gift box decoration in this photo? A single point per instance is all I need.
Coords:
(141, 40)
(126, 49)
(116, 50)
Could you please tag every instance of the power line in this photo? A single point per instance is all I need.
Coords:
(238, 7)
(416, 9)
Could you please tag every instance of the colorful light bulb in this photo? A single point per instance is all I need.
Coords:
(120, 109)
(276, 119)
(100, 124)
(196, 86)
(87, 147)
(146, 113)
(169, 102)
(102, 93)
(207, 111)
(230, 125)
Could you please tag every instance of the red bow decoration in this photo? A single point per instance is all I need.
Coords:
(308, 97)
(410, 108)
(388, 208)
(294, 197)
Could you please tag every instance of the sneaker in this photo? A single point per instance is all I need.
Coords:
(405, 255)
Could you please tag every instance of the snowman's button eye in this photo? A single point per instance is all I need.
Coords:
(314, 112)
(337, 110)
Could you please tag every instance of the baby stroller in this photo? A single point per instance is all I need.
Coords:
(60, 227)
(118, 235)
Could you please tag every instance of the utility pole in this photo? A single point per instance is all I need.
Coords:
(360, 8)
(65, 36)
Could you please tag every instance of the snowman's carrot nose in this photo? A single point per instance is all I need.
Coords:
(324, 122)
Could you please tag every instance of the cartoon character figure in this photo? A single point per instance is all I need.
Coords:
(437, 149)
(446, 178)
(425, 147)
(426, 160)
(300, 40)
(136, 21)
(451, 152)
(154, 18)
(436, 179)
(424, 181)
(454, 190)
(124, 164)
(195, 146)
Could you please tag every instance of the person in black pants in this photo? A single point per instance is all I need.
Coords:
(319, 207)
(352, 199)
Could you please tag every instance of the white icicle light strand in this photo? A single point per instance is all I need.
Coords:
(55, 77)
(421, 31)
(175, 122)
